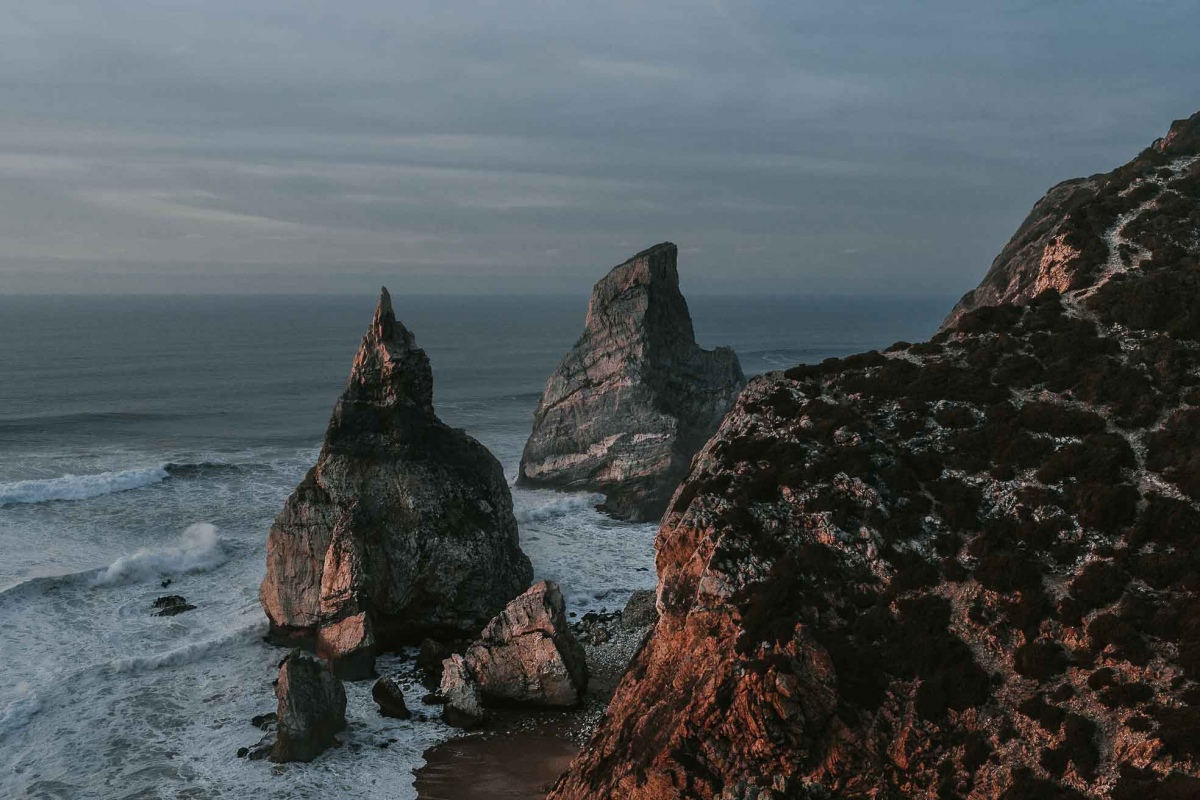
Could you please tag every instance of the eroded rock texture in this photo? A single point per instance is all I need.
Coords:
(528, 655)
(312, 708)
(403, 528)
(963, 568)
(636, 398)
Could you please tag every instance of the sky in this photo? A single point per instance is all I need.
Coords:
(525, 146)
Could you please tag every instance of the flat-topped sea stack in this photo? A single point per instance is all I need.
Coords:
(635, 398)
(966, 568)
(404, 528)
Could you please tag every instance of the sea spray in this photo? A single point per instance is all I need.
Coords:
(199, 550)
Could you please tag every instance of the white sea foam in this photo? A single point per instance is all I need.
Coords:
(20, 709)
(80, 487)
(200, 549)
(536, 509)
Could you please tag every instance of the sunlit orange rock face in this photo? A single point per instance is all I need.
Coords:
(963, 568)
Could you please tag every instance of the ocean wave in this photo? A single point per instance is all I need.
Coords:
(20, 710)
(559, 505)
(206, 468)
(80, 487)
(78, 419)
(188, 653)
(200, 549)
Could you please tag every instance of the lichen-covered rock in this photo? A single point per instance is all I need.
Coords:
(527, 655)
(1068, 241)
(404, 528)
(312, 708)
(966, 568)
(462, 701)
(388, 695)
(635, 398)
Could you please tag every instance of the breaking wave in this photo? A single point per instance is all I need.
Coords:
(80, 487)
(559, 505)
(188, 653)
(199, 550)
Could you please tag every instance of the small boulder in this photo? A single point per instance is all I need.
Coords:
(312, 708)
(429, 660)
(170, 605)
(528, 655)
(390, 697)
(463, 704)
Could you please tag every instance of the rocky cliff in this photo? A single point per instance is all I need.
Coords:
(968, 567)
(635, 398)
(403, 528)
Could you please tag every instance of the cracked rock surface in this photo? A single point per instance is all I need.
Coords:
(635, 398)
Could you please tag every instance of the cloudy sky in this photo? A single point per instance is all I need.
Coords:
(526, 146)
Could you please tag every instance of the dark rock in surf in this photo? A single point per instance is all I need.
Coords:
(403, 529)
(388, 695)
(171, 605)
(312, 708)
(635, 398)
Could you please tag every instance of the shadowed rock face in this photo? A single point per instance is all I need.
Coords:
(312, 708)
(636, 398)
(403, 528)
(963, 568)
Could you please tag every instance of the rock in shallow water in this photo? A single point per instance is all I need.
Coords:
(403, 529)
(390, 698)
(170, 605)
(312, 708)
(635, 398)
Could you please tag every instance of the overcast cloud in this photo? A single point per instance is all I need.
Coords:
(521, 146)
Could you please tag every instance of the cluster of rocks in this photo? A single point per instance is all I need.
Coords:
(636, 397)
(968, 567)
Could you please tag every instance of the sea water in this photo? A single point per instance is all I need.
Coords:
(146, 443)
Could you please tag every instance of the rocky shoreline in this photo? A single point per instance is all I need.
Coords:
(521, 753)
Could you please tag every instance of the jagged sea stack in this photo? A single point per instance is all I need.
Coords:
(404, 528)
(965, 568)
(635, 398)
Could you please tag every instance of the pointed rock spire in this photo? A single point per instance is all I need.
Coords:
(404, 527)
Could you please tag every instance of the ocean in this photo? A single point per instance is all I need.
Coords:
(153, 439)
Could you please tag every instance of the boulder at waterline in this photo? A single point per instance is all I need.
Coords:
(312, 708)
(527, 655)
